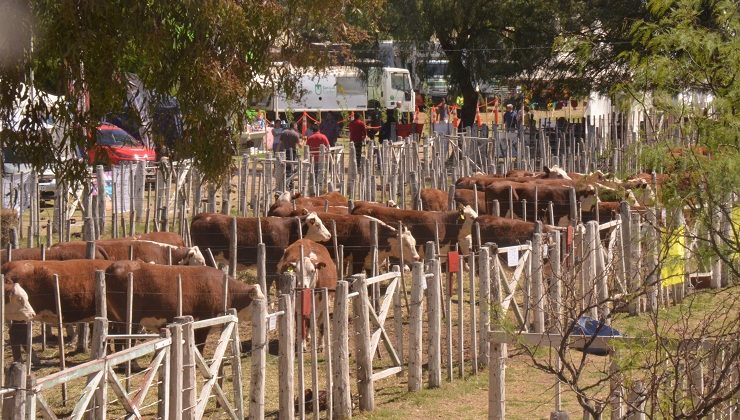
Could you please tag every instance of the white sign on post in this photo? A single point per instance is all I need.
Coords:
(273, 323)
(512, 257)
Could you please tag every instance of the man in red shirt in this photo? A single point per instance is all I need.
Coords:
(357, 135)
(314, 142)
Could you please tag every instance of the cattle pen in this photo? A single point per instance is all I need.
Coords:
(452, 314)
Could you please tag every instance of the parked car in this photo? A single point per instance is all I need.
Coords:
(113, 146)
(14, 167)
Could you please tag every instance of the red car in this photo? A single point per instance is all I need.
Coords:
(113, 146)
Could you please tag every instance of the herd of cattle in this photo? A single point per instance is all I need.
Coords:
(296, 239)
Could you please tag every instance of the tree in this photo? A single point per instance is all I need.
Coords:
(681, 65)
(213, 56)
(482, 40)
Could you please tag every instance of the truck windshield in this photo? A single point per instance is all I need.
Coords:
(400, 81)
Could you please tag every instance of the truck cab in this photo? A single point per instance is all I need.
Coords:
(390, 88)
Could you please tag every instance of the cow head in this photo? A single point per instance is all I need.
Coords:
(556, 172)
(466, 215)
(316, 232)
(405, 239)
(17, 306)
(283, 197)
(193, 257)
(310, 268)
(245, 313)
(589, 199)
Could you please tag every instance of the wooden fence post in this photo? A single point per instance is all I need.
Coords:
(418, 280)
(286, 355)
(435, 324)
(101, 309)
(232, 247)
(99, 404)
(484, 274)
(634, 271)
(176, 372)
(537, 285)
(365, 385)
(14, 407)
(259, 354)
(189, 391)
(653, 276)
(341, 395)
(589, 268)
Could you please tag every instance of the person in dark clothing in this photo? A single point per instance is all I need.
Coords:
(289, 140)
(511, 121)
(386, 130)
(357, 135)
(330, 127)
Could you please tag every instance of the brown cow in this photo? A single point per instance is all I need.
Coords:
(211, 230)
(147, 251)
(155, 294)
(319, 271)
(283, 209)
(452, 227)
(433, 199)
(76, 291)
(332, 198)
(354, 232)
(53, 253)
(543, 194)
(506, 232)
(170, 238)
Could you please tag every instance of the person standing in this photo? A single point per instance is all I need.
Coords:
(357, 135)
(314, 143)
(511, 121)
(289, 140)
(330, 127)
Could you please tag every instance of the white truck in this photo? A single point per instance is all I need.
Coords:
(342, 88)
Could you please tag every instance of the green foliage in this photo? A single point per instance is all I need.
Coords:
(211, 55)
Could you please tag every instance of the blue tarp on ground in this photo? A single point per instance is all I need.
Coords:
(588, 326)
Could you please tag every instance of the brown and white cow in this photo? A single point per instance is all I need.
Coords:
(543, 194)
(169, 238)
(452, 227)
(155, 294)
(433, 199)
(331, 198)
(319, 271)
(76, 291)
(212, 230)
(59, 254)
(504, 231)
(354, 232)
(147, 251)
(284, 209)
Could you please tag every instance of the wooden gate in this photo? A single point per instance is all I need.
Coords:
(100, 374)
(195, 398)
(370, 330)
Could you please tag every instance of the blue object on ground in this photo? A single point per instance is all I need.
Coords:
(590, 327)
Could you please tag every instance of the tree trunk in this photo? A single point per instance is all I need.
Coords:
(460, 73)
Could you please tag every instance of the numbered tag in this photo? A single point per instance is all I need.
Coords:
(272, 324)
(512, 257)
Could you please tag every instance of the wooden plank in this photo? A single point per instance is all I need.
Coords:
(120, 392)
(46, 411)
(386, 373)
(382, 277)
(149, 378)
(555, 340)
(379, 320)
(210, 322)
(86, 396)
